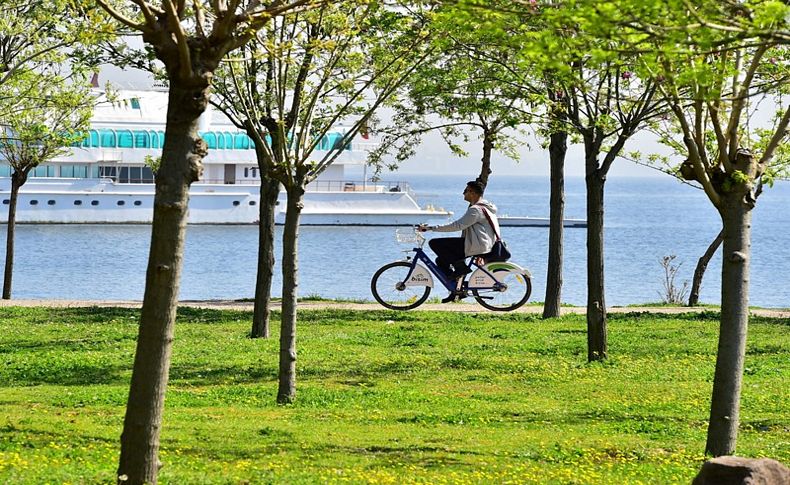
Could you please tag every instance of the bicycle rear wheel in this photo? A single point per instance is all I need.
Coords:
(518, 288)
(388, 287)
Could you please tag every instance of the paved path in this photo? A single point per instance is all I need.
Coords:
(316, 305)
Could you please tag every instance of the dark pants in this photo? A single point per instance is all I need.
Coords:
(449, 251)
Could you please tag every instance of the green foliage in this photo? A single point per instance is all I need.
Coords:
(45, 58)
(475, 82)
(411, 397)
(307, 74)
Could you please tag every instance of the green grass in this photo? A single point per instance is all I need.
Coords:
(385, 397)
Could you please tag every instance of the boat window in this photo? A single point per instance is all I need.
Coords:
(246, 172)
(123, 175)
(161, 136)
(108, 139)
(120, 202)
(94, 171)
(77, 202)
(137, 202)
(108, 172)
(241, 141)
(44, 171)
(210, 138)
(252, 202)
(135, 103)
(125, 139)
(34, 202)
(80, 171)
(225, 141)
(50, 202)
(5, 170)
(141, 139)
(148, 175)
(236, 202)
(6, 201)
(135, 175)
(92, 140)
(94, 202)
(67, 171)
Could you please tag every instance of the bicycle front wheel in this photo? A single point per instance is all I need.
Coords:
(518, 288)
(389, 289)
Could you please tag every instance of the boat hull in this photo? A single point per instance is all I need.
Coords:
(104, 202)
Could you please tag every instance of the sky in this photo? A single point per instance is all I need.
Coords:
(433, 157)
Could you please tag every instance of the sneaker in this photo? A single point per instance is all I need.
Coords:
(454, 296)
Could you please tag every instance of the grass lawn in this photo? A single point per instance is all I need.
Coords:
(386, 397)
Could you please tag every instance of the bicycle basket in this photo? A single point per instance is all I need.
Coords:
(408, 236)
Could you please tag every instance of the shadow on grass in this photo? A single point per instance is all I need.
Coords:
(68, 345)
(13, 434)
(268, 372)
(71, 374)
(89, 315)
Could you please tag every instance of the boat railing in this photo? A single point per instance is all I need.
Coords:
(358, 186)
(331, 185)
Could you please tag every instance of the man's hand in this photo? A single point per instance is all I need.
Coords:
(422, 227)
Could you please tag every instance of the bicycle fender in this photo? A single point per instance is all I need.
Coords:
(420, 277)
(481, 279)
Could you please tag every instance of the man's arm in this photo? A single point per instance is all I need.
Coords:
(471, 216)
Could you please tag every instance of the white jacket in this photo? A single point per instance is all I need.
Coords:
(478, 234)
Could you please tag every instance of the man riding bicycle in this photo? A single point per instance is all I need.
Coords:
(478, 226)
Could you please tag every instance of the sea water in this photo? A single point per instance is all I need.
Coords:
(645, 219)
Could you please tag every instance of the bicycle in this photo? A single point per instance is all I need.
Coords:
(406, 284)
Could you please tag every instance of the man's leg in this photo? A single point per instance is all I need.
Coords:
(448, 250)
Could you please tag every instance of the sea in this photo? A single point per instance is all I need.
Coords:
(646, 219)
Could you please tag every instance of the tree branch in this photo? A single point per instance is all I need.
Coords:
(183, 47)
(120, 18)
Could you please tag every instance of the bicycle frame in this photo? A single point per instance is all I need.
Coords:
(449, 283)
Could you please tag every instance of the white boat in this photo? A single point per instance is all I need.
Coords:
(105, 179)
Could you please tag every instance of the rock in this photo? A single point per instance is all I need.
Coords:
(734, 470)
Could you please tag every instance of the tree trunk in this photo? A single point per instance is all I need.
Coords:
(180, 166)
(558, 146)
(596, 305)
(270, 189)
(702, 265)
(286, 391)
(725, 402)
(488, 148)
(17, 180)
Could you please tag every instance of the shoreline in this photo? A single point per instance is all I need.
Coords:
(247, 305)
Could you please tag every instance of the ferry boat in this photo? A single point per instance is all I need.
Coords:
(105, 179)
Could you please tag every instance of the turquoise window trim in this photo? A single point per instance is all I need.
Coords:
(241, 141)
(142, 139)
(210, 138)
(124, 139)
(108, 138)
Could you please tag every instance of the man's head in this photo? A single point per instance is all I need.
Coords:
(473, 191)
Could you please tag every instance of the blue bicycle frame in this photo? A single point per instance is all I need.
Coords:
(449, 283)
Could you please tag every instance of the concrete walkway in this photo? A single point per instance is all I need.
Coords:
(319, 305)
